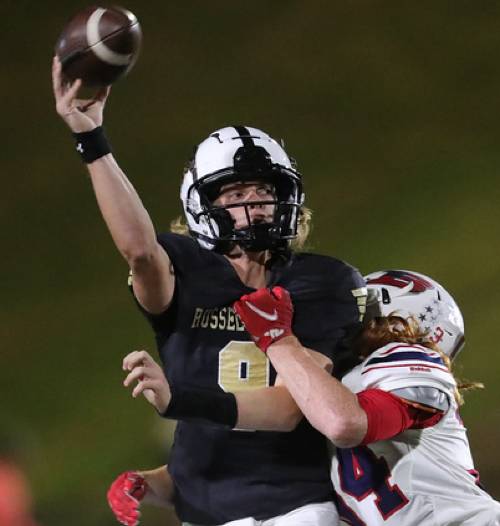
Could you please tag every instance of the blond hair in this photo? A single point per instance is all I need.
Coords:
(304, 225)
(383, 330)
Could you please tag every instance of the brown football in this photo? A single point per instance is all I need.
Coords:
(99, 45)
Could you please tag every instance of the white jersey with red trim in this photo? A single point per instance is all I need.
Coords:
(421, 476)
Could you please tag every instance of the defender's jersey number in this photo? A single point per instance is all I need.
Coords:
(242, 367)
(362, 473)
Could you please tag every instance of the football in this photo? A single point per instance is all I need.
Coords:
(99, 45)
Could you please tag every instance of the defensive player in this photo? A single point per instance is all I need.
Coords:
(402, 454)
(243, 199)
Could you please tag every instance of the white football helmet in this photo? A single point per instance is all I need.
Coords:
(240, 153)
(407, 293)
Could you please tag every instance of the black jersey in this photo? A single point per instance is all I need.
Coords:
(222, 475)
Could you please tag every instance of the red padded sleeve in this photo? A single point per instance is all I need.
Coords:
(388, 415)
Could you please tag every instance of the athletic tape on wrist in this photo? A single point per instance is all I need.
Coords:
(92, 145)
(203, 406)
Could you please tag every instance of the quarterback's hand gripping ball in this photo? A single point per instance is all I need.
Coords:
(125, 495)
(267, 315)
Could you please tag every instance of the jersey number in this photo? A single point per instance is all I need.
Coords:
(242, 367)
(362, 473)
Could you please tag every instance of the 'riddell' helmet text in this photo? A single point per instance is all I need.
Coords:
(241, 154)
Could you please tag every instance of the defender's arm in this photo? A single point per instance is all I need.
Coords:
(330, 406)
(273, 408)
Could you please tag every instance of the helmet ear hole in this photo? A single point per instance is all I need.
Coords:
(386, 299)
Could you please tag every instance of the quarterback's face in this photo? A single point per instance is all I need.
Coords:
(249, 192)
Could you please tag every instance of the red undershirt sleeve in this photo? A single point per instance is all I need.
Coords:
(388, 415)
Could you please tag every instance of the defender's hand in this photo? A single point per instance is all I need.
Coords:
(125, 495)
(80, 115)
(151, 381)
(267, 315)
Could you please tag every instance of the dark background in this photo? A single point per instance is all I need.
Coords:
(390, 108)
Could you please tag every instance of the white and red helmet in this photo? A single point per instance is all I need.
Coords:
(407, 293)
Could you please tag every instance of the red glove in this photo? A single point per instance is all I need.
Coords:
(125, 495)
(267, 315)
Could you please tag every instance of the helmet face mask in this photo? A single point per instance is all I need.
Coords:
(407, 293)
(241, 155)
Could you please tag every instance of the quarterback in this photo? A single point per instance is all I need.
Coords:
(243, 205)
(402, 455)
